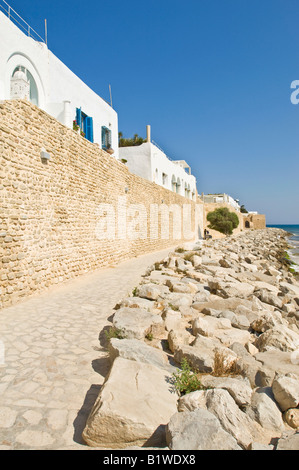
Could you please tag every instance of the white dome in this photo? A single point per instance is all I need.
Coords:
(20, 75)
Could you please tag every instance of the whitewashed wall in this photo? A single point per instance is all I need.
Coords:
(148, 161)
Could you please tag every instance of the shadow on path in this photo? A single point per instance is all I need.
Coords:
(82, 416)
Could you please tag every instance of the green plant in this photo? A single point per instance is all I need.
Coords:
(114, 333)
(185, 380)
(75, 126)
(223, 220)
(136, 140)
(135, 292)
(150, 336)
(180, 250)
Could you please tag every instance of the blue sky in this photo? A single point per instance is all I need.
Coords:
(211, 77)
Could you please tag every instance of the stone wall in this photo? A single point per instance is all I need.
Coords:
(53, 212)
(254, 221)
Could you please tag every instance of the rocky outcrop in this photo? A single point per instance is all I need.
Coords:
(230, 309)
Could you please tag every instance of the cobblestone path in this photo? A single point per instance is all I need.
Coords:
(54, 360)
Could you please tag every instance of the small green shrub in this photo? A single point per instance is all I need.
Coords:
(114, 333)
(135, 292)
(185, 380)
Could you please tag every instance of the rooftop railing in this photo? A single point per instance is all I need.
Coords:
(19, 21)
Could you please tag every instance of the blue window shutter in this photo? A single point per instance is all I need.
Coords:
(78, 117)
(89, 128)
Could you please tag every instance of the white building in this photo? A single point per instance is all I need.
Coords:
(29, 70)
(221, 199)
(150, 162)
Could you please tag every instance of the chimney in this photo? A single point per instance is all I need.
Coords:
(148, 133)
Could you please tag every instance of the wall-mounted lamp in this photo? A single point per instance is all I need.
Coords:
(45, 156)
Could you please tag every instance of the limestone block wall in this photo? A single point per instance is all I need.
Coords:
(54, 213)
(254, 221)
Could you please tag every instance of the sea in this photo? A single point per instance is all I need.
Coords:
(294, 242)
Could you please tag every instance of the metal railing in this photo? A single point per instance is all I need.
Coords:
(19, 21)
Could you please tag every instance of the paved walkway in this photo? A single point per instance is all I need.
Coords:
(54, 359)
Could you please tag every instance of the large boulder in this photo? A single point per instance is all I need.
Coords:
(177, 338)
(200, 359)
(152, 291)
(137, 302)
(192, 401)
(221, 329)
(231, 289)
(275, 361)
(208, 326)
(266, 321)
(247, 364)
(134, 405)
(269, 298)
(172, 319)
(177, 300)
(136, 322)
(291, 288)
(286, 391)
(237, 387)
(279, 337)
(198, 430)
(182, 287)
(265, 411)
(232, 419)
(136, 350)
(289, 441)
(218, 303)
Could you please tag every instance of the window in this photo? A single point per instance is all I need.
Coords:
(164, 178)
(178, 185)
(106, 138)
(85, 123)
(173, 182)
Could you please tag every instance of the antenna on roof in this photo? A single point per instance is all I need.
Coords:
(110, 95)
(46, 33)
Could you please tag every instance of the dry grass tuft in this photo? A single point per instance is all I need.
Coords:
(224, 366)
